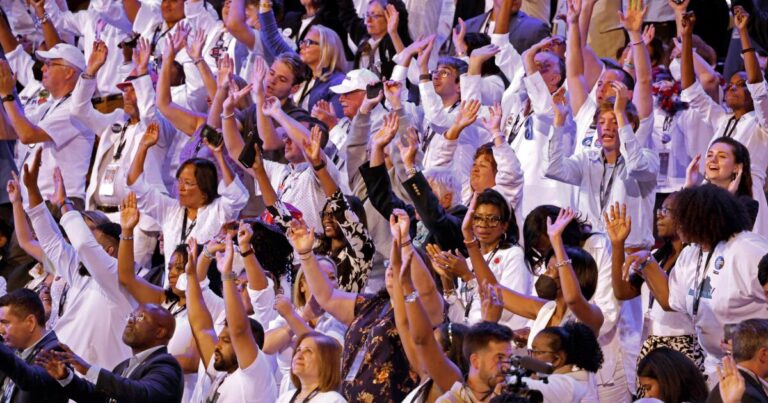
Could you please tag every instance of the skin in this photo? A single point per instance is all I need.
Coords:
(608, 131)
(305, 364)
(542, 350)
(175, 269)
(56, 76)
(736, 96)
(172, 11)
(604, 90)
(375, 21)
(279, 81)
(488, 366)
(482, 176)
(17, 332)
(721, 164)
(651, 387)
(488, 237)
(514, 5)
(447, 86)
(310, 54)
(190, 194)
(549, 68)
(130, 103)
(148, 327)
(224, 358)
(351, 102)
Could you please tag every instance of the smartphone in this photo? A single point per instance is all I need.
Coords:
(211, 135)
(248, 156)
(729, 329)
(374, 89)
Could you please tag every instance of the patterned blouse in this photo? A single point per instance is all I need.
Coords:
(382, 373)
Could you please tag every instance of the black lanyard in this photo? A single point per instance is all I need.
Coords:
(306, 399)
(179, 309)
(122, 141)
(728, 132)
(605, 188)
(52, 108)
(184, 232)
(514, 129)
(700, 284)
(431, 132)
(469, 299)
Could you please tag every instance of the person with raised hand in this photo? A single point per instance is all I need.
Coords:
(172, 298)
(202, 203)
(371, 324)
(743, 114)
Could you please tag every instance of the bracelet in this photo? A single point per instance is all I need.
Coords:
(406, 243)
(306, 255)
(126, 238)
(461, 54)
(564, 263)
(629, 66)
(225, 117)
(45, 18)
(87, 76)
(747, 50)
(471, 242)
(425, 77)
(208, 254)
(319, 166)
(411, 172)
(230, 276)
(196, 61)
(412, 297)
(247, 253)
(640, 42)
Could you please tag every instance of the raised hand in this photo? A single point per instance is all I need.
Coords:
(387, 132)
(7, 79)
(224, 260)
(141, 55)
(72, 359)
(468, 113)
(399, 225)
(301, 237)
(97, 58)
(635, 263)
(560, 107)
(370, 103)
(458, 34)
(622, 97)
(312, 149)
(236, 94)
(649, 33)
(492, 302)
(151, 135)
(32, 170)
(424, 54)
(688, 22)
(618, 224)
(196, 44)
(679, 8)
(448, 264)
(564, 217)
(176, 42)
(12, 187)
(244, 235)
(191, 268)
(224, 72)
(493, 122)
(271, 107)
(409, 147)
(692, 172)
(633, 18)
(480, 55)
(733, 186)
(732, 385)
(392, 91)
(55, 367)
(258, 159)
(129, 213)
(59, 191)
(283, 305)
(323, 112)
(574, 10)
(260, 69)
(740, 18)
(467, 226)
(393, 18)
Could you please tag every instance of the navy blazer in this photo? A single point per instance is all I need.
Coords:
(158, 379)
(33, 384)
(753, 391)
(524, 31)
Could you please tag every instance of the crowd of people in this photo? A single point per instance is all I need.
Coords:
(383, 200)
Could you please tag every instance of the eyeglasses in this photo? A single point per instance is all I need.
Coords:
(50, 64)
(305, 43)
(135, 317)
(327, 214)
(187, 184)
(369, 16)
(489, 221)
(663, 212)
(536, 353)
(736, 85)
(440, 73)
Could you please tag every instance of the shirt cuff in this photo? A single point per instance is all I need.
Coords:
(500, 39)
(758, 90)
(690, 93)
(66, 381)
(92, 375)
(399, 73)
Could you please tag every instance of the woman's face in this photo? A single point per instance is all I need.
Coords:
(721, 164)
(375, 21)
(175, 269)
(665, 224)
(309, 48)
(650, 386)
(541, 349)
(736, 94)
(330, 226)
(306, 362)
(483, 175)
(487, 224)
(190, 194)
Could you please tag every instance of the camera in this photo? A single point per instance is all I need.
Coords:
(519, 367)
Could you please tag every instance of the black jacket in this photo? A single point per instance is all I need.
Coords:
(753, 392)
(158, 379)
(327, 16)
(33, 384)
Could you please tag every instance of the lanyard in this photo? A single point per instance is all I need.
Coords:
(700, 284)
(52, 108)
(522, 119)
(728, 132)
(431, 132)
(178, 310)
(184, 232)
(122, 141)
(465, 290)
(306, 399)
(156, 38)
(605, 188)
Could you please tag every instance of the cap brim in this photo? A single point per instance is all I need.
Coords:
(122, 86)
(45, 54)
(344, 88)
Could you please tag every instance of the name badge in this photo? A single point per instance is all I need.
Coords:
(107, 186)
(355, 368)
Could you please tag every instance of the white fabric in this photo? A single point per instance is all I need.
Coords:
(253, 384)
(321, 397)
(573, 387)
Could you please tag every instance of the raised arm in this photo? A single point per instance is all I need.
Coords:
(641, 165)
(8, 40)
(147, 141)
(392, 17)
(200, 319)
(557, 164)
(633, 24)
(20, 224)
(237, 25)
(195, 51)
(338, 303)
(687, 74)
(751, 64)
(587, 313)
(27, 132)
(183, 119)
(400, 268)
(618, 226)
(139, 288)
(316, 157)
(243, 341)
(297, 132)
(574, 59)
(264, 124)
(50, 34)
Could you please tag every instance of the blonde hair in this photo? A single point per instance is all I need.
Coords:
(332, 58)
(329, 355)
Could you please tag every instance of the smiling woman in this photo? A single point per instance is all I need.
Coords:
(315, 370)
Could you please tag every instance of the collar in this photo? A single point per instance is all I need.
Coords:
(300, 167)
(140, 357)
(28, 351)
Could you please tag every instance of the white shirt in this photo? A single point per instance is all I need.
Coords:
(96, 309)
(571, 387)
(750, 130)
(730, 291)
(632, 180)
(321, 397)
(254, 384)
(170, 215)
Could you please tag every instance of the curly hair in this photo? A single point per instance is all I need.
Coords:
(585, 268)
(679, 378)
(535, 232)
(709, 214)
(579, 343)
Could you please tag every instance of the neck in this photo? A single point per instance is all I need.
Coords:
(677, 245)
(192, 213)
(311, 10)
(564, 369)
(560, 308)
(317, 70)
(721, 183)
(308, 386)
(337, 243)
(753, 367)
(611, 155)
(488, 247)
(450, 100)
(36, 335)
(378, 36)
(137, 350)
(478, 387)
(738, 113)
(133, 119)
(61, 91)
(705, 247)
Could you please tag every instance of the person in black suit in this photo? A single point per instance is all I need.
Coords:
(150, 375)
(318, 12)
(22, 326)
(524, 30)
(750, 354)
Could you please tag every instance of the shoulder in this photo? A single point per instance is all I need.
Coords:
(476, 21)
(747, 244)
(529, 21)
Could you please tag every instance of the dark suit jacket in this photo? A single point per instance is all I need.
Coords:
(753, 392)
(33, 384)
(158, 379)
(524, 31)
(380, 193)
(327, 16)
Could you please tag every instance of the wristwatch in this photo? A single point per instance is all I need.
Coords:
(230, 276)
(319, 166)
(247, 253)
(9, 97)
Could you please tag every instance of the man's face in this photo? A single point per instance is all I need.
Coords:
(604, 90)
(549, 68)
(608, 130)
(172, 10)
(15, 331)
(279, 81)
(492, 362)
(446, 81)
(224, 358)
(351, 102)
(139, 329)
(55, 72)
(130, 104)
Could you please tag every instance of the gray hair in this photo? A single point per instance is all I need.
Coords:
(443, 181)
(750, 336)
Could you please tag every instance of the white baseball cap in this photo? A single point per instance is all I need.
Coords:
(70, 54)
(356, 80)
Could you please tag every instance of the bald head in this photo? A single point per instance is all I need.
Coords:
(148, 326)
